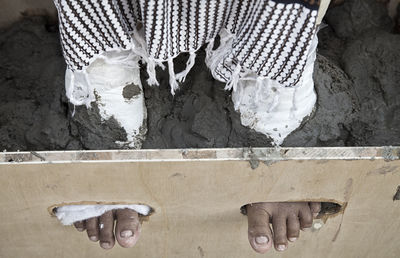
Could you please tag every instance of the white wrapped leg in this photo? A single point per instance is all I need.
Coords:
(272, 109)
(113, 82)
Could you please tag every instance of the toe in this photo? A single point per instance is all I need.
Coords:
(259, 231)
(92, 229)
(106, 230)
(315, 208)
(80, 225)
(280, 232)
(305, 218)
(293, 228)
(127, 230)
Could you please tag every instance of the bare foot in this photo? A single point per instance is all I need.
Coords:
(127, 229)
(287, 219)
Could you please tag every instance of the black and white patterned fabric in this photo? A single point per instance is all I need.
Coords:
(268, 37)
(273, 41)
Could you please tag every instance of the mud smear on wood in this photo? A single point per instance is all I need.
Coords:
(396, 196)
(348, 189)
(384, 170)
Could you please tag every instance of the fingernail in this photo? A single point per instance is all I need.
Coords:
(261, 240)
(80, 229)
(93, 238)
(281, 247)
(126, 233)
(315, 214)
(292, 239)
(105, 245)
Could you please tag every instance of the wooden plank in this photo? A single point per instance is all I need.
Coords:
(197, 194)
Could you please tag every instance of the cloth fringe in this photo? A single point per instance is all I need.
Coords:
(141, 50)
(209, 50)
(213, 57)
(233, 82)
(181, 77)
(79, 88)
(172, 77)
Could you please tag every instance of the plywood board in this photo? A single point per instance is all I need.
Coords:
(197, 194)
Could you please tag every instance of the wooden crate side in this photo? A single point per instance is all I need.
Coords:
(197, 204)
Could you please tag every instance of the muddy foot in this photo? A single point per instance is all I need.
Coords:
(287, 218)
(127, 229)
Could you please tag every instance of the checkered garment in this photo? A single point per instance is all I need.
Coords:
(270, 38)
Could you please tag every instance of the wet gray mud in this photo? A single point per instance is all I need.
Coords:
(357, 78)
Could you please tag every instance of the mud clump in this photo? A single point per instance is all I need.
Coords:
(130, 91)
(336, 109)
(200, 115)
(355, 17)
(356, 78)
(372, 62)
(33, 107)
